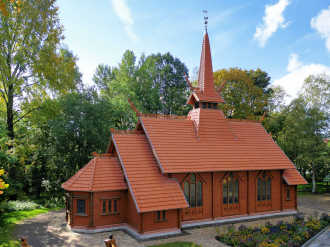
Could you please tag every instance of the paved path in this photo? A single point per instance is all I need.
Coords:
(321, 241)
(49, 230)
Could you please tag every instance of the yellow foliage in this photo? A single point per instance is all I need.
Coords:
(265, 230)
(3, 185)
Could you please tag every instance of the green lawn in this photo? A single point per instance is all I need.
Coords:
(320, 188)
(8, 221)
(177, 244)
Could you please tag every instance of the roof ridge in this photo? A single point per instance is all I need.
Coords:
(93, 174)
(163, 116)
(242, 120)
(126, 132)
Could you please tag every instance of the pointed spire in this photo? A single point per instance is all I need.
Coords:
(205, 75)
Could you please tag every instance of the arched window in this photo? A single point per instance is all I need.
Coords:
(264, 184)
(230, 190)
(193, 191)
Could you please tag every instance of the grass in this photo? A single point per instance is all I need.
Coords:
(177, 244)
(8, 221)
(320, 188)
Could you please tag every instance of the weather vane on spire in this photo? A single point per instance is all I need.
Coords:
(205, 19)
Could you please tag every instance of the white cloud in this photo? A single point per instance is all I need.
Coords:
(294, 63)
(124, 14)
(293, 81)
(321, 23)
(272, 20)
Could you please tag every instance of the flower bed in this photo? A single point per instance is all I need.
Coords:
(279, 235)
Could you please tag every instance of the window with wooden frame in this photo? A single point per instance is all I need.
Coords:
(230, 189)
(81, 207)
(193, 191)
(288, 194)
(161, 216)
(109, 206)
(264, 187)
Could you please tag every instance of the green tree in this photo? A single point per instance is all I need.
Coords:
(276, 100)
(316, 92)
(66, 140)
(261, 79)
(243, 99)
(32, 63)
(103, 76)
(302, 138)
(155, 84)
(168, 75)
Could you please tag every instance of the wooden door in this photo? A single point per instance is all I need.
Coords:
(194, 190)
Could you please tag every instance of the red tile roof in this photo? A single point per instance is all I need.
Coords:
(95, 176)
(210, 142)
(293, 177)
(150, 189)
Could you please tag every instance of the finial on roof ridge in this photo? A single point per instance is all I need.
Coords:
(205, 19)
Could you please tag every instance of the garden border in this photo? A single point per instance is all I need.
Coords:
(249, 218)
(309, 241)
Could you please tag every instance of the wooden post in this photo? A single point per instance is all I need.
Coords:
(281, 190)
(179, 219)
(141, 223)
(247, 193)
(24, 242)
(91, 209)
(212, 194)
(111, 242)
(71, 209)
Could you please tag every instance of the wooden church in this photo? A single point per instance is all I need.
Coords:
(175, 172)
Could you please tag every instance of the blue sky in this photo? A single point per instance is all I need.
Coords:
(289, 39)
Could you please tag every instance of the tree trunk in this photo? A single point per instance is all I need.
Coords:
(314, 180)
(10, 112)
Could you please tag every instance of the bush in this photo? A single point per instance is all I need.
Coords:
(20, 205)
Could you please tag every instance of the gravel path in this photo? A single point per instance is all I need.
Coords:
(49, 230)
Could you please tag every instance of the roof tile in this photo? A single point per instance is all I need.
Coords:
(151, 190)
(95, 176)
(293, 177)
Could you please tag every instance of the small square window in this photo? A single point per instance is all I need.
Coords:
(81, 206)
(161, 216)
(204, 105)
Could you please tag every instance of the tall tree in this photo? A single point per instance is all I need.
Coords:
(168, 76)
(261, 79)
(103, 76)
(302, 138)
(316, 92)
(243, 98)
(155, 84)
(65, 142)
(32, 63)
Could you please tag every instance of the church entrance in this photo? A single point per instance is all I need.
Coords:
(193, 190)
